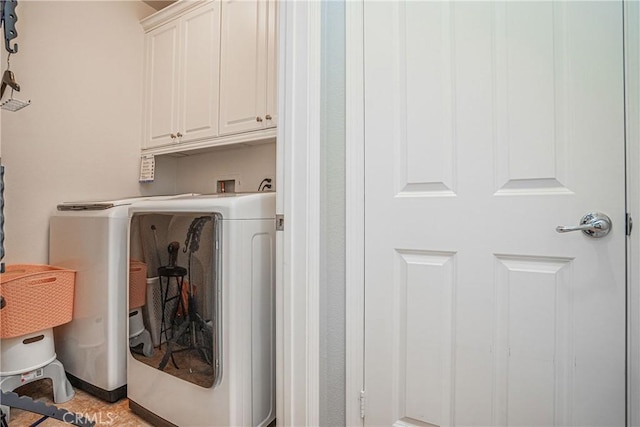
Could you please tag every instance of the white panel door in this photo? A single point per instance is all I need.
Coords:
(161, 85)
(488, 124)
(243, 56)
(200, 73)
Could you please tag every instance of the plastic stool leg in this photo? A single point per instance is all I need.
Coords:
(6, 411)
(62, 389)
(147, 345)
(143, 338)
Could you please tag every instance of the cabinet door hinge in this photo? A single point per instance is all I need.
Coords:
(362, 403)
(279, 222)
(629, 225)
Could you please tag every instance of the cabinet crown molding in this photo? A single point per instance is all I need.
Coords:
(173, 11)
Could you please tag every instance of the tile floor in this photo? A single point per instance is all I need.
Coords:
(99, 411)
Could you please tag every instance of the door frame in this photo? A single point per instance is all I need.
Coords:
(355, 186)
(632, 110)
(354, 206)
(298, 200)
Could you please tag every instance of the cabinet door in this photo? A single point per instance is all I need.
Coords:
(161, 85)
(243, 60)
(272, 65)
(200, 73)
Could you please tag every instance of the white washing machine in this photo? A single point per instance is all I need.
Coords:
(91, 238)
(232, 381)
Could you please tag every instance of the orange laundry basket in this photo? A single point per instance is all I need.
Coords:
(37, 297)
(137, 284)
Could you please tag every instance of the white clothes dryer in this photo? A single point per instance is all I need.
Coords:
(223, 336)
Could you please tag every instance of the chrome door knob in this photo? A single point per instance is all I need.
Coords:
(595, 224)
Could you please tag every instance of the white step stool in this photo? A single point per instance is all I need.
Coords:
(29, 358)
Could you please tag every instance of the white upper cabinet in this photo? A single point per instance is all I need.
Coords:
(182, 66)
(247, 66)
(200, 62)
(211, 72)
(161, 98)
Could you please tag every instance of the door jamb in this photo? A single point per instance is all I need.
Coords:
(298, 199)
(632, 132)
(355, 203)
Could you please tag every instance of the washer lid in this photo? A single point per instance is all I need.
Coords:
(79, 206)
(108, 204)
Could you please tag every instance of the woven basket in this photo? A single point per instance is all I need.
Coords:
(137, 284)
(37, 297)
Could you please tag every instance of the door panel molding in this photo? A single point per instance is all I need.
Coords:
(534, 299)
(421, 169)
(530, 155)
(423, 306)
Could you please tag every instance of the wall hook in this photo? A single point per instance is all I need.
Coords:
(8, 20)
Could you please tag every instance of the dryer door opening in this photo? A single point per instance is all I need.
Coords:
(175, 294)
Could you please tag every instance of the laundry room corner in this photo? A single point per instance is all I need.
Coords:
(94, 117)
(79, 139)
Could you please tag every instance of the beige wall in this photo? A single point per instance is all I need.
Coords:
(80, 64)
(248, 165)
